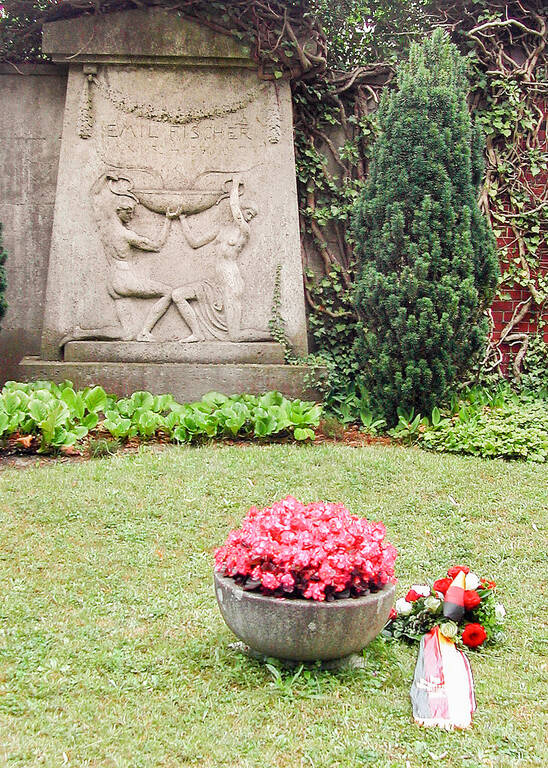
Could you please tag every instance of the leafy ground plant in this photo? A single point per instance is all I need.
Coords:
(57, 414)
(506, 425)
(113, 651)
(491, 423)
(61, 416)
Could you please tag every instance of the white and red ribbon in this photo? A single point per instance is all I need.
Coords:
(442, 693)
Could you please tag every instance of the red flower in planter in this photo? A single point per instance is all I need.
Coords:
(313, 551)
(474, 635)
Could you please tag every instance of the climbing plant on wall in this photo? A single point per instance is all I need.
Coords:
(506, 45)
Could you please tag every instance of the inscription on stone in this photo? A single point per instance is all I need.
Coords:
(177, 134)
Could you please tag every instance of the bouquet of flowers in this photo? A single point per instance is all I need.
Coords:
(315, 551)
(461, 604)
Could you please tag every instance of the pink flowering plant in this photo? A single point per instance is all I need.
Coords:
(315, 551)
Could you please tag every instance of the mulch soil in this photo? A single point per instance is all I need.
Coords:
(19, 452)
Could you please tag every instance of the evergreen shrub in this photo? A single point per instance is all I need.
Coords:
(427, 267)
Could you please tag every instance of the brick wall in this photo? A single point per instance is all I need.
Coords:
(506, 307)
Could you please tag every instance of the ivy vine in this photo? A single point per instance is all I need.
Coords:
(507, 48)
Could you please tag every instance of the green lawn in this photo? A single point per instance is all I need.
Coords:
(113, 653)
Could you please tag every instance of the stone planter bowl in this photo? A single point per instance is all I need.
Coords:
(303, 630)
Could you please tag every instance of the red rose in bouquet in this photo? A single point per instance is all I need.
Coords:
(452, 572)
(442, 585)
(471, 599)
(474, 635)
(413, 596)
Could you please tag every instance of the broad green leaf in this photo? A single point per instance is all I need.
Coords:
(38, 410)
(303, 434)
(162, 403)
(90, 421)
(148, 423)
(266, 425)
(180, 435)
(96, 399)
(415, 423)
(189, 422)
(171, 421)
(74, 402)
(214, 398)
(11, 402)
(117, 427)
(125, 407)
(206, 423)
(271, 398)
(142, 399)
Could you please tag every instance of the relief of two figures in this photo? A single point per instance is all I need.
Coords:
(211, 309)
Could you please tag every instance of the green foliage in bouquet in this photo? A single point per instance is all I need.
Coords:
(427, 263)
(61, 416)
(422, 609)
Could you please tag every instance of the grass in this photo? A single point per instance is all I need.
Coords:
(113, 653)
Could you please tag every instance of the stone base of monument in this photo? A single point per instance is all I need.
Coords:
(172, 352)
(185, 381)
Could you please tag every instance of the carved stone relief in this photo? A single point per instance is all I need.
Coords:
(85, 113)
(210, 309)
(174, 213)
(128, 105)
(274, 127)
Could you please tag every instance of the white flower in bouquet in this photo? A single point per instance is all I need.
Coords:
(403, 607)
(449, 630)
(422, 589)
(500, 611)
(471, 581)
(432, 604)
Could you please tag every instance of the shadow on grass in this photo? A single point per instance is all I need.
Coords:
(228, 661)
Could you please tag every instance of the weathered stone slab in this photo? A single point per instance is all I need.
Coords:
(185, 381)
(173, 352)
(31, 119)
(176, 198)
(148, 35)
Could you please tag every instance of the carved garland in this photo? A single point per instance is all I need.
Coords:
(163, 115)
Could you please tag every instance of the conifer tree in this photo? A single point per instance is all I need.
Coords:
(3, 256)
(427, 266)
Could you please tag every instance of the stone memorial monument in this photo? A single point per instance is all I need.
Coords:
(176, 207)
